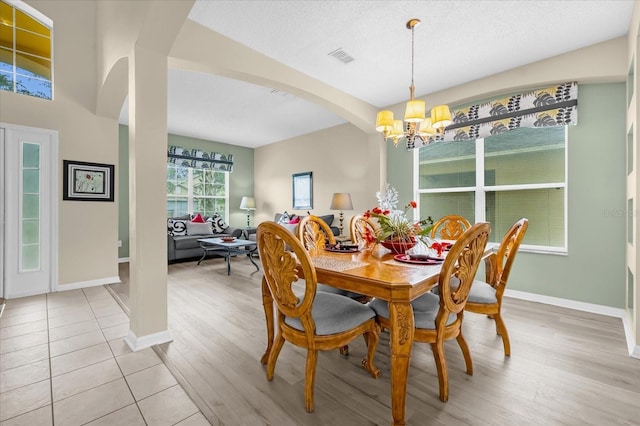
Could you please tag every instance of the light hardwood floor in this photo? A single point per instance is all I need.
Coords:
(567, 367)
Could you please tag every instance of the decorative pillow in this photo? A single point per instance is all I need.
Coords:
(217, 223)
(296, 219)
(177, 226)
(198, 219)
(197, 228)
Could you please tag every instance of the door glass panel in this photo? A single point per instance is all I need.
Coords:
(30, 215)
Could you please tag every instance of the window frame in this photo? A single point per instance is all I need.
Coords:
(190, 195)
(480, 190)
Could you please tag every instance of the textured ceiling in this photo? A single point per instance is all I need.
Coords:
(457, 42)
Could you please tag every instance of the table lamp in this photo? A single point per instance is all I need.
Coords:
(248, 204)
(341, 201)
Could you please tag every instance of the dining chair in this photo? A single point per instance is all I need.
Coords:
(485, 297)
(314, 233)
(450, 227)
(314, 320)
(359, 226)
(438, 318)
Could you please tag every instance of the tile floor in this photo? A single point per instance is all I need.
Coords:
(63, 361)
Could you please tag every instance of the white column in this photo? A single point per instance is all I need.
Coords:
(147, 198)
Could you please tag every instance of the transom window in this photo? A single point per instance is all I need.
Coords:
(191, 190)
(25, 50)
(499, 179)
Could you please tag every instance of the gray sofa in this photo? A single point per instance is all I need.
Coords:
(182, 236)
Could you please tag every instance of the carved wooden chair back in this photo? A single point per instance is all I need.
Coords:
(450, 227)
(438, 318)
(486, 296)
(360, 226)
(285, 261)
(314, 233)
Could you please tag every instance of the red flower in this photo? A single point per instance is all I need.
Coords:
(413, 204)
(438, 247)
(377, 210)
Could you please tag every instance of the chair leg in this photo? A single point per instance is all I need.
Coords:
(465, 352)
(441, 366)
(371, 338)
(310, 378)
(273, 356)
(344, 350)
(501, 329)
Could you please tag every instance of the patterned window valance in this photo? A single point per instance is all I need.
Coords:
(199, 159)
(552, 106)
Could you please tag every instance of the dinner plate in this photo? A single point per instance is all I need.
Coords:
(417, 260)
(342, 248)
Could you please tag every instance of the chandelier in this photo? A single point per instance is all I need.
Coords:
(416, 126)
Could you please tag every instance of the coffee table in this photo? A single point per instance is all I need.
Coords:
(236, 246)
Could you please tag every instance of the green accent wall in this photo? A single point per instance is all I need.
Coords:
(240, 180)
(593, 270)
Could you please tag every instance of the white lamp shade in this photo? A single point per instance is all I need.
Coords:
(341, 201)
(248, 203)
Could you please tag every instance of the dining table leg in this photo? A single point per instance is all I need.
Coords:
(402, 332)
(267, 303)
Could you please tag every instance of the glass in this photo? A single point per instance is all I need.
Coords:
(30, 155)
(525, 156)
(543, 207)
(443, 204)
(30, 257)
(30, 231)
(31, 181)
(6, 60)
(447, 165)
(33, 87)
(30, 206)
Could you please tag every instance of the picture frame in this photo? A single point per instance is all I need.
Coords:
(83, 181)
(302, 191)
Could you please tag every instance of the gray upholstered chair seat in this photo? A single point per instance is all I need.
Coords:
(329, 311)
(425, 309)
(480, 292)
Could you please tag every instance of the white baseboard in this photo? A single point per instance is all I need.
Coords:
(143, 342)
(92, 283)
(633, 347)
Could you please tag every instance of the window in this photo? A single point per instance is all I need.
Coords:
(25, 50)
(191, 190)
(499, 179)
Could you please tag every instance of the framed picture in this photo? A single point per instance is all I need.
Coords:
(87, 181)
(303, 191)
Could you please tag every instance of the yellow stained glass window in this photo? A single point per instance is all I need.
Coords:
(26, 62)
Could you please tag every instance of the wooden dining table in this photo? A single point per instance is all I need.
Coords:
(375, 273)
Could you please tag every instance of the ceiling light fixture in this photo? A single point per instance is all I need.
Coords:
(416, 126)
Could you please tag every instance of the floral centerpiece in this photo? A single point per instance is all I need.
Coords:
(395, 231)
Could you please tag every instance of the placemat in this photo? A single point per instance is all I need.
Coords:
(333, 264)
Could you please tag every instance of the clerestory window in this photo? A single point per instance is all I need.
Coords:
(26, 64)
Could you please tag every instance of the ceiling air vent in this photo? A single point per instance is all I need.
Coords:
(341, 55)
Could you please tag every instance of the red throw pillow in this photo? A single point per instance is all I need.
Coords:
(295, 220)
(198, 219)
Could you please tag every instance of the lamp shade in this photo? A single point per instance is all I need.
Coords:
(384, 121)
(426, 128)
(398, 129)
(341, 201)
(440, 116)
(248, 203)
(414, 113)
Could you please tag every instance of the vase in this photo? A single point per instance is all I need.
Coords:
(398, 246)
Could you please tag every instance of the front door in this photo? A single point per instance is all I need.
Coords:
(30, 204)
